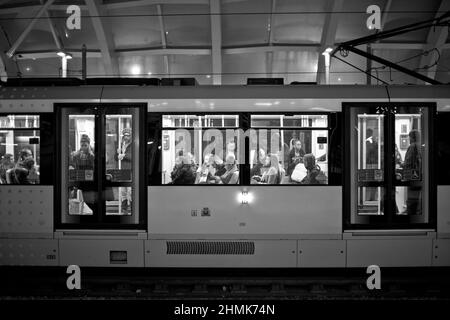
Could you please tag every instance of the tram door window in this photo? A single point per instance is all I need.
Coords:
(100, 165)
(388, 183)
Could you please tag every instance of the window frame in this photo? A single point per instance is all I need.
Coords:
(162, 129)
(389, 221)
(46, 138)
(102, 222)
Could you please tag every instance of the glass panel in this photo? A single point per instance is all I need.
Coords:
(79, 141)
(411, 162)
(194, 121)
(119, 148)
(370, 131)
(81, 147)
(198, 156)
(289, 156)
(19, 121)
(302, 121)
(367, 175)
(81, 202)
(121, 154)
(20, 156)
(119, 201)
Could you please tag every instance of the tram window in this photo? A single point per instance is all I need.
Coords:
(303, 121)
(289, 156)
(19, 149)
(198, 150)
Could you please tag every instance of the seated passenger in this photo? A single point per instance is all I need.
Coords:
(275, 173)
(295, 156)
(262, 164)
(184, 173)
(314, 174)
(231, 174)
(20, 173)
(207, 170)
(7, 162)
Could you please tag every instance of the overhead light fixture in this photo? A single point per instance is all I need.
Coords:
(263, 104)
(327, 51)
(64, 54)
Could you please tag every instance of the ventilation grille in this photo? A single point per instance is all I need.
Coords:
(210, 247)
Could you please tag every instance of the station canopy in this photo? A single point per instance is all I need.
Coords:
(221, 41)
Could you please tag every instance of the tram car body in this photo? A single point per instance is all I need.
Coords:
(102, 188)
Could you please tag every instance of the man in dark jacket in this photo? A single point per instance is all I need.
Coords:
(295, 156)
(184, 173)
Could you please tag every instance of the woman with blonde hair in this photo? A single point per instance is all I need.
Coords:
(275, 173)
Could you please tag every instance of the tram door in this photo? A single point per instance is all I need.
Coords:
(389, 156)
(100, 166)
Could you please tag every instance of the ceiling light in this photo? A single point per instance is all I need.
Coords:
(208, 76)
(28, 68)
(135, 70)
(327, 51)
(63, 54)
(263, 104)
(149, 73)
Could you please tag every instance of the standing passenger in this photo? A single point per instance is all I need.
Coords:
(124, 153)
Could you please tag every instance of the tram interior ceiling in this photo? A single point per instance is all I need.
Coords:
(224, 149)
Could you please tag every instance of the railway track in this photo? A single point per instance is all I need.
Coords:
(145, 284)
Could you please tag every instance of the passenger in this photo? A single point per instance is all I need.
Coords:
(314, 174)
(206, 172)
(275, 173)
(124, 153)
(125, 149)
(295, 156)
(20, 174)
(7, 163)
(231, 149)
(231, 174)
(413, 165)
(84, 158)
(184, 173)
(262, 164)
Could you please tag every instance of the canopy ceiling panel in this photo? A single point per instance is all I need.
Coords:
(245, 22)
(136, 26)
(298, 21)
(187, 25)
